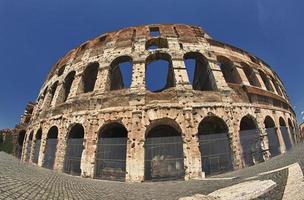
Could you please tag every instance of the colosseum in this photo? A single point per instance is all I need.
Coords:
(100, 115)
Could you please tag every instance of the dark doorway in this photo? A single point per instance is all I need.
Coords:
(51, 148)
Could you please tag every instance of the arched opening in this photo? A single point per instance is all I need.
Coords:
(278, 89)
(273, 140)
(159, 72)
(292, 130)
(21, 137)
(285, 133)
(250, 142)
(60, 70)
(37, 146)
(251, 76)
(121, 73)
(164, 157)
(266, 81)
(52, 93)
(89, 77)
(111, 152)
(67, 84)
(214, 145)
(74, 150)
(29, 147)
(199, 72)
(230, 73)
(51, 148)
(156, 43)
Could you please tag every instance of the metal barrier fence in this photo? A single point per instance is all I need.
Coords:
(273, 141)
(50, 153)
(111, 158)
(285, 134)
(215, 153)
(164, 158)
(73, 156)
(28, 151)
(36, 151)
(251, 146)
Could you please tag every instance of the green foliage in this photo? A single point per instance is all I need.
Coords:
(7, 144)
(1, 141)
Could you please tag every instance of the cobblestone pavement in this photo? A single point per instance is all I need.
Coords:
(26, 181)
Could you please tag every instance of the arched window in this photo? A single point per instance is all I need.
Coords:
(37, 146)
(74, 150)
(285, 133)
(51, 95)
(29, 147)
(111, 152)
(199, 71)
(266, 81)
(230, 73)
(251, 76)
(68, 81)
(60, 70)
(121, 73)
(21, 137)
(159, 72)
(273, 140)
(250, 141)
(164, 158)
(214, 145)
(51, 148)
(89, 77)
(156, 43)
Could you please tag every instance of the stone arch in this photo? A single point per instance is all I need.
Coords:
(51, 148)
(88, 78)
(214, 145)
(111, 152)
(250, 141)
(21, 137)
(278, 89)
(230, 73)
(272, 135)
(66, 87)
(51, 95)
(266, 81)
(118, 79)
(200, 72)
(285, 133)
(74, 148)
(61, 69)
(156, 43)
(164, 156)
(250, 74)
(38, 137)
(154, 65)
(29, 146)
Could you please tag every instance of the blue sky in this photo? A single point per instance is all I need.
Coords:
(34, 34)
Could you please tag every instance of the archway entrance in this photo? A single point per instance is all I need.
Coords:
(20, 143)
(111, 152)
(273, 140)
(74, 150)
(164, 157)
(214, 146)
(250, 142)
(37, 146)
(51, 148)
(285, 133)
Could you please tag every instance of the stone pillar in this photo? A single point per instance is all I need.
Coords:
(42, 146)
(75, 85)
(260, 80)
(272, 85)
(217, 75)
(180, 73)
(135, 160)
(264, 137)
(192, 154)
(24, 148)
(102, 80)
(138, 75)
(58, 96)
(61, 147)
(280, 137)
(33, 147)
(90, 146)
(239, 68)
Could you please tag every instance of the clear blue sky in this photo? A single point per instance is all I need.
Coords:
(34, 34)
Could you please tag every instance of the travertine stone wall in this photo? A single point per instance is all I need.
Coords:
(137, 109)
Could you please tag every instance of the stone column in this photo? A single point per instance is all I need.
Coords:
(24, 148)
(138, 75)
(33, 147)
(135, 160)
(239, 68)
(43, 146)
(217, 75)
(260, 80)
(180, 73)
(280, 137)
(272, 85)
(102, 80)
(58, 96)
(192, 154)
(264, 137)
(61, 147)
(75, 85)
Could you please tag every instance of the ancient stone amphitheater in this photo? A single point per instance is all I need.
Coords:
(102, 113)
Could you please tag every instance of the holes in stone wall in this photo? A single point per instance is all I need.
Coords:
(250, 74)
(156, 43)
(89, 77)
(154, 31)
(230, 73)
(159, 72)
(121, 73)
(68, 81)
(198, 71)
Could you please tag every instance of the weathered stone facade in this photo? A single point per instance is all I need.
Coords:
(230, 86)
